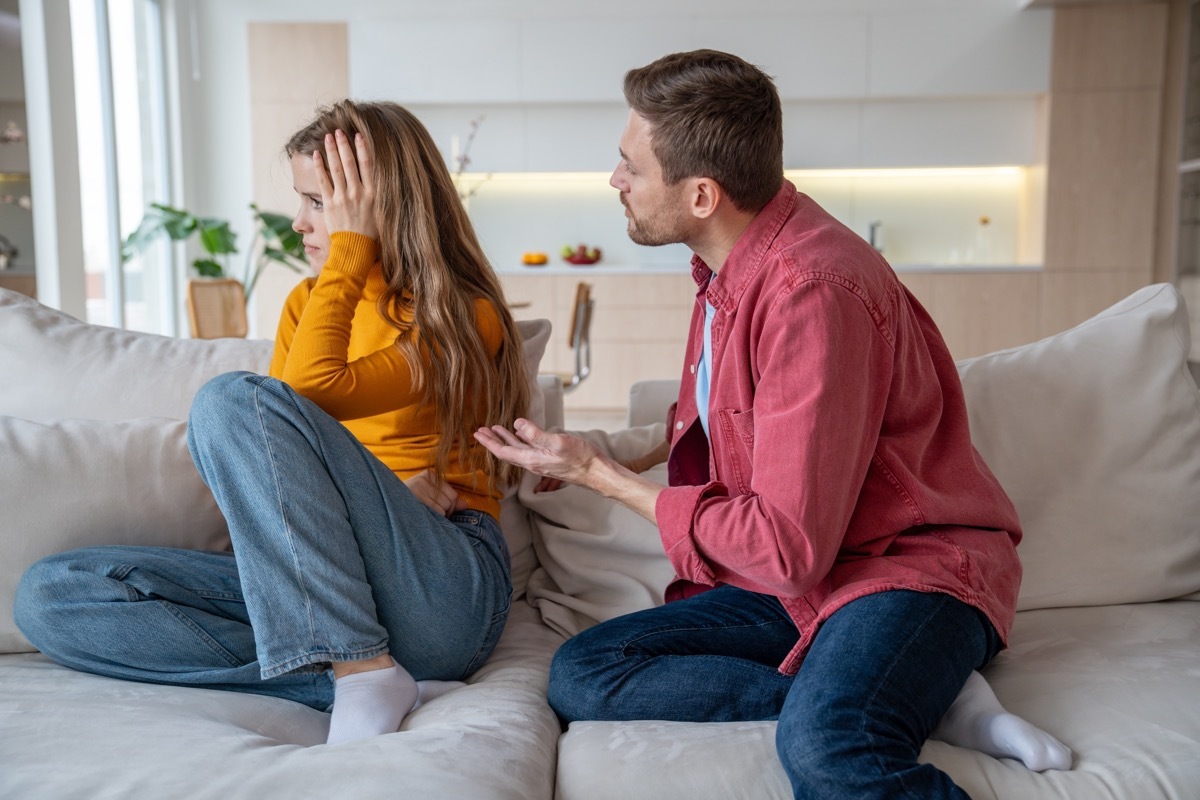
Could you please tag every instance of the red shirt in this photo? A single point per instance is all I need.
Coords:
(841, 462)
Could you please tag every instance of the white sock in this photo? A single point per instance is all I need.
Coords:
(367, 704)
(430, 690)
(977, 721)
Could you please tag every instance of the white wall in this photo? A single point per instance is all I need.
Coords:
(866, 82)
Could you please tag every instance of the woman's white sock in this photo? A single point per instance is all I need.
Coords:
(977, 721)
(367, 704)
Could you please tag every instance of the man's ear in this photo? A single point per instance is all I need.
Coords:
(705, 197)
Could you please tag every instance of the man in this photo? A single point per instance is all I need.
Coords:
(845, 561)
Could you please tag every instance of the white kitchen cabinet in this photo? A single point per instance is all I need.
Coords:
(811, 57)
(939, 133)
(859, 88)
(960, 53)
(584, 59)
(450, 60)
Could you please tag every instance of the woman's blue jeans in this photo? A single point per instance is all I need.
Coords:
(333, 559)
(880, 674)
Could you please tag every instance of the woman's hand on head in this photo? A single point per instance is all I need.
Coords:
(436, 494)
(348, 188)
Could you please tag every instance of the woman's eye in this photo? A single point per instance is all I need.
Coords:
(318, 205)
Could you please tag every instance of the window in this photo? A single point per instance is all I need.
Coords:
(123, 159)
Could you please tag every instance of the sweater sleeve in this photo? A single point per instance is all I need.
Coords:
(315, 361)
(289, 318)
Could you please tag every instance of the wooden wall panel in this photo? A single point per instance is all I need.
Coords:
(982, 312)
(1108, 47)
(1103, 159)
(25, 284)
(1103, 180)
(1069, 298)
(294, 67)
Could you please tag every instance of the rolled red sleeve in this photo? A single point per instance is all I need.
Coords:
(676, 510)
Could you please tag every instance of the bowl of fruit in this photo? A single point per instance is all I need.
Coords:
(580, 255)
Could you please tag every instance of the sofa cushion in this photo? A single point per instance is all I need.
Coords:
(1095, 434)
(66, 734)
(1115, 683)
(82, 482)
(53, 366)
(596, 559)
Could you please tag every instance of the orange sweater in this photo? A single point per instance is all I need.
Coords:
(334, 348)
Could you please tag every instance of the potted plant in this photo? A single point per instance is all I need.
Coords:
(274, 242)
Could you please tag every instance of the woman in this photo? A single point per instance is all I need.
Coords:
(366, 555)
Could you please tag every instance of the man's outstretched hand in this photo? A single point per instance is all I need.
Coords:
(567, 458)
(557, 457)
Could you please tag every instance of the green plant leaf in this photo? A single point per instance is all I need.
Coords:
(177, 223)
(208, 268)
(280, 229)
(293, 244)
(149, 229)
(158, 220)
(216, 236)
(277, 224)
(282, 257)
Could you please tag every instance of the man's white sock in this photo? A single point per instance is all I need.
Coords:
(367, 704)
(977, 721)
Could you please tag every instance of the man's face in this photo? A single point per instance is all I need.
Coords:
(657, 213)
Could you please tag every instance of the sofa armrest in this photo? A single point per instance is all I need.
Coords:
(552, 393)
(649, 400)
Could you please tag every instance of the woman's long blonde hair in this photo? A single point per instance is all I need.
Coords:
(433, 265)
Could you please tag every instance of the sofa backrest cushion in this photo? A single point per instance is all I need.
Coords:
(57, 367)
(82, 482)
(53, 366)
(1095, 435)
(92, 447)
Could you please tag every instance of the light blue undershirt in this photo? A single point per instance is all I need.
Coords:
(704, 368)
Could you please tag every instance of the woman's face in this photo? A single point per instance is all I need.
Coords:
(309, 221)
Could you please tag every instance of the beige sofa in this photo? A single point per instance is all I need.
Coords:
(1094, 432)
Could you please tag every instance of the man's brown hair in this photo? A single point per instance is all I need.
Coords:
(712, 115)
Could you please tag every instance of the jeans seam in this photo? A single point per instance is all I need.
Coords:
(232, 597)
(300, 584)
(885, 678)
(321, 657)
(201, 634)
(488, 641)
(693, 627)
(119, 574)
(499, 618)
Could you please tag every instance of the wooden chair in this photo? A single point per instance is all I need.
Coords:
(579, 338)
(217, 308)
